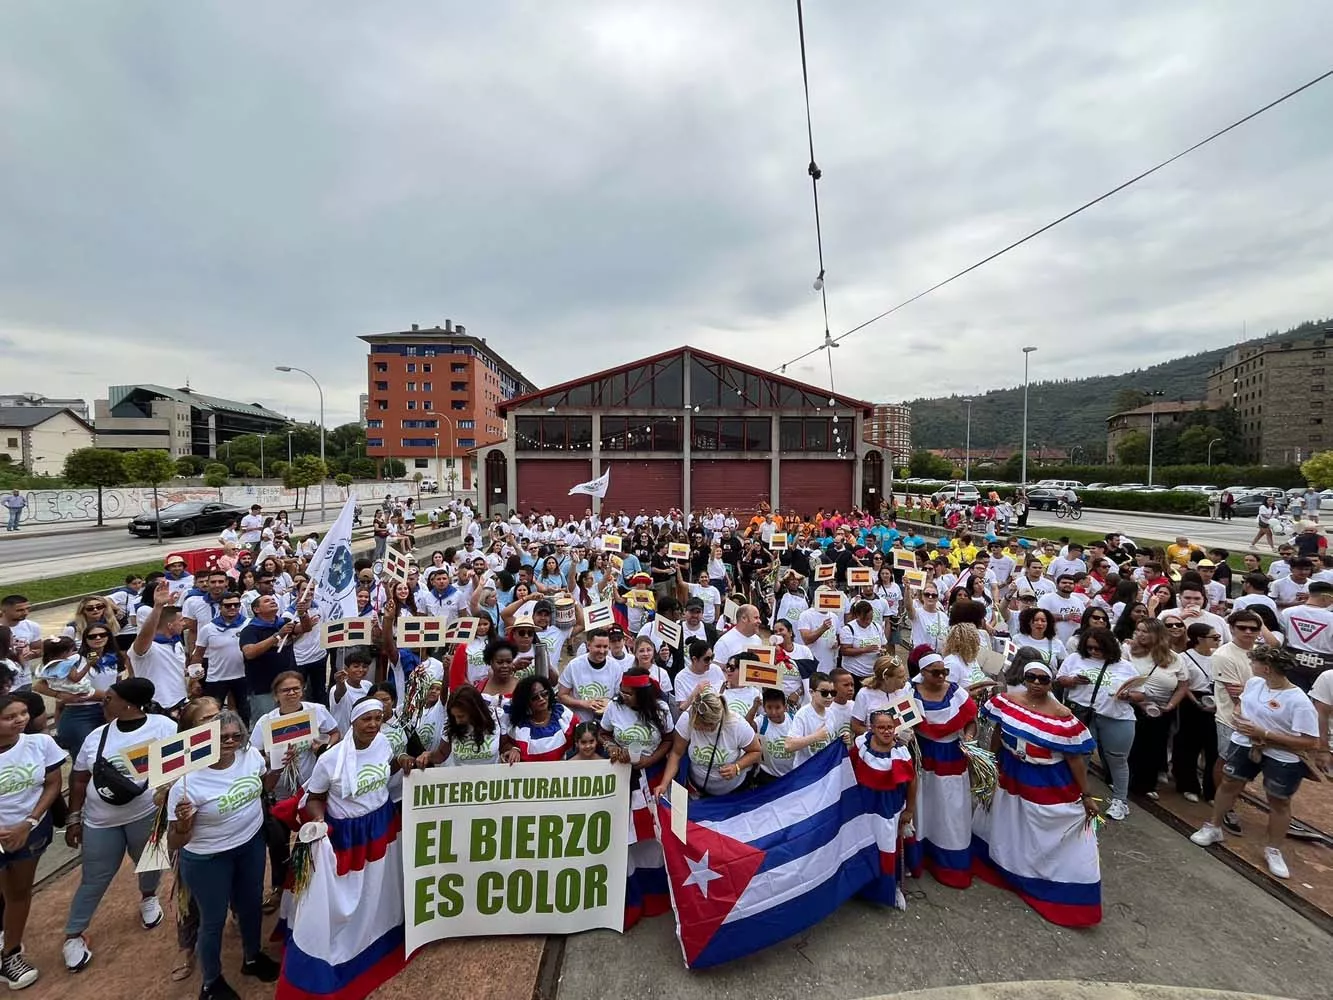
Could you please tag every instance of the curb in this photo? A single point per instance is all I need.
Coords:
(1070, 989)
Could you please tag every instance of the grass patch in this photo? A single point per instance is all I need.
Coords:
(96, 581)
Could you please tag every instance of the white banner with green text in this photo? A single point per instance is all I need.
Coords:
(522, 849)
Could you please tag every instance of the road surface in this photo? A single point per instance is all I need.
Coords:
(1234, 536)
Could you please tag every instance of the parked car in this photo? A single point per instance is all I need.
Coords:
(1044, 497)
(429, 486)
(1196, 489)
(1068, 484)
(965, 492)
(187, 518)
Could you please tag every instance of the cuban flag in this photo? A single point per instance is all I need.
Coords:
(766, 865)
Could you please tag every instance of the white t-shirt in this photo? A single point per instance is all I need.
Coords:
(1117, 675)
(1159, 682)
(825, 648)
(223, 649)
(1288, 711)
(806, 723)
(120, 746)
(871, 700)
(586, 681)
(1249, 600)
(29, 632)
(839, 718)
(341, 708)
(1309, 628)
(1060, 606)
(777, 760)
(687, 681)
(629, 729)
(1060, 567)
(251, 527)
(868, 637)
(732, 642)
(740, 700)
(725, 745)
(164, 665)
(929, 628)
(228, 801)
(373, 769)
(1286, 591)
(711, 597)
(23, 770)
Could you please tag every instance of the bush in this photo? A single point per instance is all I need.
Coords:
(1153, 503)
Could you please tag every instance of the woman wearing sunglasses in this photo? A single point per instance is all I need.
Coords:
(1164, 683)
(943, 842)
(1093, 678)
(93, 611)
(536, 726)
(929, 621)
(1034, 839)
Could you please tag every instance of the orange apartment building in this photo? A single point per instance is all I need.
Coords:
(431, 400)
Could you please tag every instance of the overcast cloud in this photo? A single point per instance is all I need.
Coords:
(203, 190)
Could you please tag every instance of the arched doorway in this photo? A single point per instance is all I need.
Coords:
(872, 482)
(497, 483)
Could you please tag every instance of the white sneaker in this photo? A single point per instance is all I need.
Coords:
(150, 912)
(1118, 809)
(1191, 797)
(1207, 834)
(77, 953)
(1276, 864)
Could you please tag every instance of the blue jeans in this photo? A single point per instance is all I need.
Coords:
(76, 722)
(104, 848)
(1114, 738)
(261, 702)
(14, 515)
(231, 879)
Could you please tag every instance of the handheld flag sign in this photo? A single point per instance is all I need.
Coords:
(396, 565)
(136, 759)
(611, 543)
(828, 600)
(907, 712)
(1010, 651)
(779, 542)
(192, 750)
(755, 673)
(731, 610)
(825, 572)
(915, 578)
(462, 630)
(860, 576)
(347, 632)
(902, 559)
(598, 615)
(679, 551)
(669, 631)
(417, 632)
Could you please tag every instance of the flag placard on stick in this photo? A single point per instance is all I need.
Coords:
(284, 732)
(419, 632)
(902, 559)
(915, 578)
(136, 758)
(610, 543)
(779, 542)
(396, 565)
(680, 551)
(462, 630)
(731, 610)
(347, 632)
(757, 674)
(179, 755)
(598, 615)
(907, 712)
(825, 572)
(828, 600)
(669, 631)
(860, 576)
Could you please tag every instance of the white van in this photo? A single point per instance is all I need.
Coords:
(1061, 484)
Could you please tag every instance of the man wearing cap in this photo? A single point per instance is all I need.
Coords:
(791, 600)
(178, 578)
(693, 625)
(1217, 594)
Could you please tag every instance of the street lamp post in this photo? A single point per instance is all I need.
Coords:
(1152, 427)
(289, 448)
(1210, 449)
(1026, 351)
(453, 433)
(967, 451)
(320, 389)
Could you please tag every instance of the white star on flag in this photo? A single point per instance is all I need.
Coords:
(700, 874)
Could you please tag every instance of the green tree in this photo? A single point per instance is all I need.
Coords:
(99, 467)
(189, 465)
(924, 465)
(394, 468)
(1192, 445)
(362, 468)
(1318, 470)
(343, 480)
(1128, 399)
(150, 467)
(303, 473)
(216, 475)
(1132, 449)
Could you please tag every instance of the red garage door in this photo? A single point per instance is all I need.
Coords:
(740, 485)
(545, 482)
(807, 485)
(651, 485)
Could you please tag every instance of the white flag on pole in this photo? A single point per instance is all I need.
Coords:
(332, 572)
(595, 488)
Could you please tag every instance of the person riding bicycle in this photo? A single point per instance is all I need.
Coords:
(1071, 499)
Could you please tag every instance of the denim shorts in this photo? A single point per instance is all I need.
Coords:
(1281, 777)
(38, 841)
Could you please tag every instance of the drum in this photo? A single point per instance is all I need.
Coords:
(564, 616)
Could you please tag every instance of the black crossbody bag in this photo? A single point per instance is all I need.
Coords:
(112, 785)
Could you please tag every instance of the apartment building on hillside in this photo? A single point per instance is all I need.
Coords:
(432, 397)
(1279, 389)
(890, 428)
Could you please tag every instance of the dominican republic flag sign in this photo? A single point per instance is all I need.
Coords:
(415, 632)
(189, 751)
(347, 632)
(768, 864)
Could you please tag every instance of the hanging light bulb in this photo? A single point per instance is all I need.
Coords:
(835, 418)
(819, 281)
(830, 402)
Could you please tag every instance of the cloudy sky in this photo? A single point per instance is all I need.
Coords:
(203, 190)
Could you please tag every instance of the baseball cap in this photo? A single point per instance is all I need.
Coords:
(694, 604)
(1206, 564)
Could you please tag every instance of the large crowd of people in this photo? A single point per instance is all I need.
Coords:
(1051, 658)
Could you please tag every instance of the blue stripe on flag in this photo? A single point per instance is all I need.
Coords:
(813, 771)
(793, 842)
(199, 753)
(744, 937)
(172, 749)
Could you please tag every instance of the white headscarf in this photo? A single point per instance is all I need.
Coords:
(344, 766)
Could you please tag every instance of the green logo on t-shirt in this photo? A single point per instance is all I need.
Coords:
(242, 792)
(371, 777)
(638, 733)
(709, 754)
(18, 778)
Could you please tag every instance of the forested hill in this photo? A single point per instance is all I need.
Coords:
(1065, 413)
